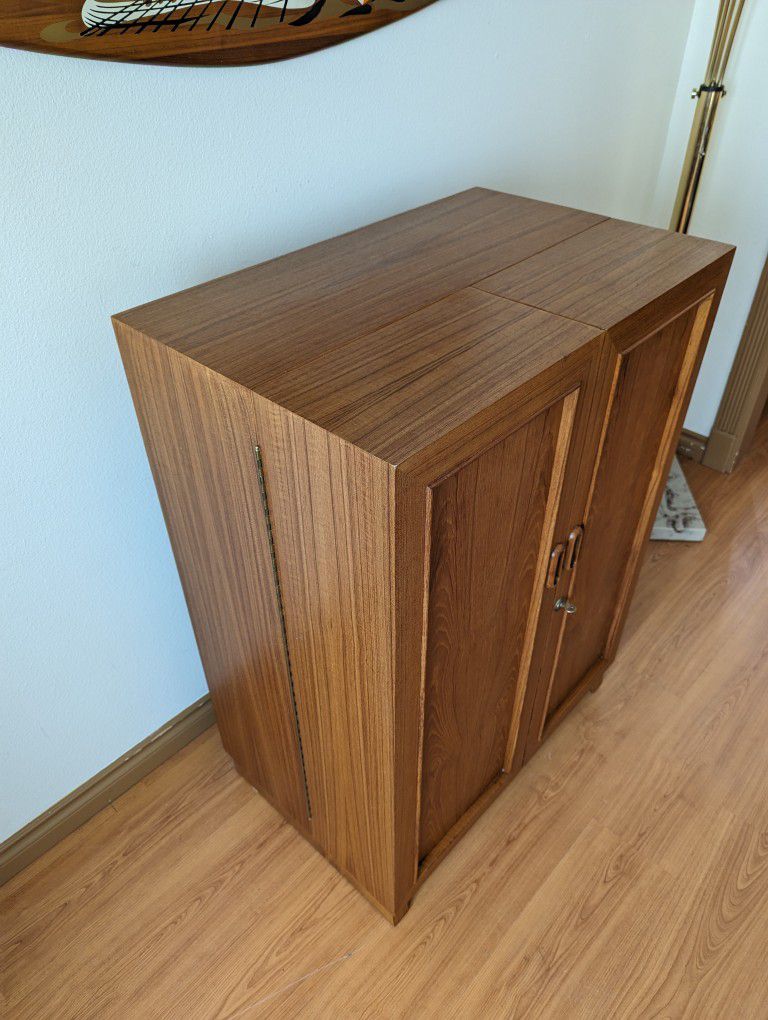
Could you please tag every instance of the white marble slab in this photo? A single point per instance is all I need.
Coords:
(678, 518)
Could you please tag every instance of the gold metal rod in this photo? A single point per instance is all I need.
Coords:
(720, 40)
(726, 26)
(694, 144)
(715, 37)
(731, 37)
(728, 38)
(712, 100)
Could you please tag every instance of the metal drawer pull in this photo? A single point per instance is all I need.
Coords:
(555, 570)
(574, 547)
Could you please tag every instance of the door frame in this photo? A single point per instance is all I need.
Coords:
(746, 391)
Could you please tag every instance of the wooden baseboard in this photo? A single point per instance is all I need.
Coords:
(72, 811)
(692, 445)
(722, 451)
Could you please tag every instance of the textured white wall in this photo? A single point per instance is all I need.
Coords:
(122, 183)
(732, 203)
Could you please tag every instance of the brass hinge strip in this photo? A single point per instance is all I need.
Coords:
(281, 613)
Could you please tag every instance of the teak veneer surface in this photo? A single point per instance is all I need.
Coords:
(197, 430)
(254, 325)
(487, 520)
(343, 332)
(396, 391)
(612, 272)
(647, 383)
(436, 400)
(624, 873)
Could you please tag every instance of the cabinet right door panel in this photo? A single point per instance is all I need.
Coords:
(652, 385)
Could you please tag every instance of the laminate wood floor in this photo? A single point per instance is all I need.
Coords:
(623, 874)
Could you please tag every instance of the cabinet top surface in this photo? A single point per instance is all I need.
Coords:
(380, 334)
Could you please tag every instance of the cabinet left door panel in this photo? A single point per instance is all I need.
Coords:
(199, 431)
(490, 535)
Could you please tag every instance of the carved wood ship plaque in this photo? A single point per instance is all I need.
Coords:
(213, 32)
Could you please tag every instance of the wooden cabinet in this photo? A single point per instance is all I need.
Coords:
(391, 465)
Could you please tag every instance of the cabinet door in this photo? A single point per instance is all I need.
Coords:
(652, 383)
(489, 537)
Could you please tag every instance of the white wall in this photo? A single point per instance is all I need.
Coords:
(732, 203)
(121, 183)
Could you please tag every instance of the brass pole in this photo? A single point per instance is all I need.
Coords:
(708, 96)
(716, 41)
(721, 36)
(731, 37)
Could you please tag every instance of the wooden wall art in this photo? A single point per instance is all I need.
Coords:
(192, 31)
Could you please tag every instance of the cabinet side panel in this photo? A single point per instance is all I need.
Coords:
(199, 431)
(486, 535)
(331, 514)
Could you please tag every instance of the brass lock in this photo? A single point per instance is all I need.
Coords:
(567, 605)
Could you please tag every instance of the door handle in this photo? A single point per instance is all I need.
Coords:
(555, 569)
(574, 547)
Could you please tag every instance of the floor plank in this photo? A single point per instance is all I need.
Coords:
(623, 874)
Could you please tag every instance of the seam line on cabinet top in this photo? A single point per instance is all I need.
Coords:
(538, 308)
(583, 322)
(265, 388)
(474, 285)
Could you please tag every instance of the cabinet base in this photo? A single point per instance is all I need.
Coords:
(589, 683)
(464, 824)
(392, 916)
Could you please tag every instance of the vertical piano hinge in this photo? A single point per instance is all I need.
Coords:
(281, 613)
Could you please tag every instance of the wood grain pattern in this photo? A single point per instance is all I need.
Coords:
(332, 552)
(639, 460)
(255, 325)
(487, 525)
(610, 274)
(77, 807)
(646, 386)
(385, 384)
(561, 382)
(627, 860)
(330, 504)
(394, 393)
(702, 319)
(590, 426)
(200, 434)
(223, 32)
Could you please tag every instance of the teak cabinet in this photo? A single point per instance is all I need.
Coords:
(391, 465)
